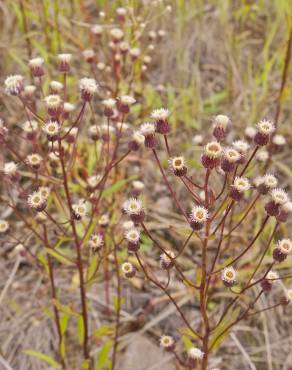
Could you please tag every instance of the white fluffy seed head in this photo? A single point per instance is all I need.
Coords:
(266, 127)
(241, 184)
(56, 86)
(285, 246)
(232, 155)
(36, 62)
(44, 191)
(262, 155)
(132, 235)
(279, 140)
(30, 126)
(147, 128)
(133, 206)
(117, 34)
(127, 100)
(279, 196)
(250, 132)
(14, 84)
(88, 85)
(195, 353)
(65, 58)
(165, 259)
(97, 29)
(270, 181)
(213, 149)
(199, 214)
(4, 226)
(273, 276)
(160, 114)
(68, 107)
(53, 101)
(229, 274)
(138, 138)
(80, 209)
(10, 168)
(241, 146)
(221, 121)
(109, 103)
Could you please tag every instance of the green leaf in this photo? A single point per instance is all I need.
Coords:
(62, 259)
(116, 186)
(103, 354)
(43, 357)
(102, 331)
(80, 326)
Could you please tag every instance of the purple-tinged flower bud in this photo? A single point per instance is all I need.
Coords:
(194, 355)
(121, 14)
(137, 141)
(266, 183)
(88, 88)
(70, 134)
(264, 130)
(161, 120)
(104, 221)
(37, 67)
(240, 185)
(269, 280)
(278, 198)
(14, 84)
(278, 143)
(166, 262)
(28, 91)
(134, 209)
(242, 147)
(133, 238)
(128, 270)
(198, 217)
(97, 30)
(64, 62)
(229, 276)
(178, 166)
(54, 105)
(95, 242)
(283, 249)
(89, 55)
(138, 187)
(220, 125)
(30, 128)
(124, 102)
(230, 159)
(10, 170)
(116, 34)
(148, 131)
(284, 212)
(250, 132)
(212, 154)
(94, 132)
(56, 87)
(109, 105)
(67, 109)
(135, 53)
(167, 343)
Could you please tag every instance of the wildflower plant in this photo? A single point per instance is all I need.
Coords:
(66, 179)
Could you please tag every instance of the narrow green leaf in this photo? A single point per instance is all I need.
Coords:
(43, 357)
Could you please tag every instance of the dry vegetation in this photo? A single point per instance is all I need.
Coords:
(205, 58)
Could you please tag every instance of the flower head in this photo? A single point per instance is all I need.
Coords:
(88, 88)
(160, 114)
(132, 235)
(34, 160)
(95, 242)
(213, 150)
(53, 101)
(279, 196)
(285, 246)
(231, 155)
(166, 259)
(229, 275)
(195, 353)
(4, 226)
(80, 209)
(178, 165)
(10, 168)
(279, 140)
(128, 270)
(36, 201)
(30, 126)
(14, 84)
(199, 214)
(250, 132)
(270, 181)
(56, 87)
(44, 191)
(52, 129)
(241, 146)
(241, 184)
(221, 121)
(167, 342)
(117, 34)
(127, 100)
(266, 127)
